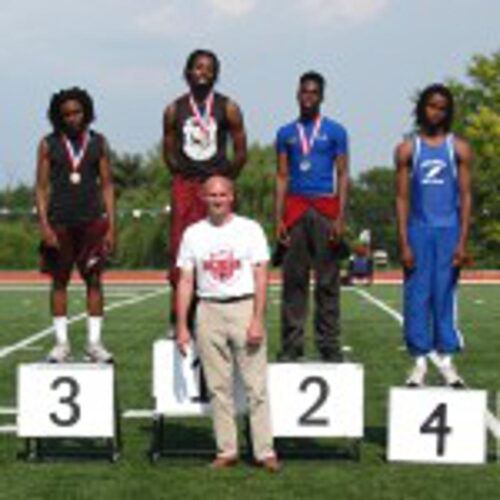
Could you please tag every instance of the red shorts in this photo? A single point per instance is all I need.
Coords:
(80, 244)
(188, 207)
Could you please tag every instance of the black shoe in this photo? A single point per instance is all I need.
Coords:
(290, 357)
(332, 357)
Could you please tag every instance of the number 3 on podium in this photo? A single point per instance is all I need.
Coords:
(69, 400)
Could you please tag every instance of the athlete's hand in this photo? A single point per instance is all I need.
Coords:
(255, 332)
(460, 257)
(182, 338)
(49, 236)
(337, 231)
(407, 258)
(110, 240)
(282, 233)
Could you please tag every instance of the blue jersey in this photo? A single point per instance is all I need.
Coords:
(312, 174)
(435, 199)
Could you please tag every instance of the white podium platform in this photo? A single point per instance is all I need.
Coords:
(437, 425)
(67, 400)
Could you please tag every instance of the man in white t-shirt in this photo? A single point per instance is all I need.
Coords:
(223, 260)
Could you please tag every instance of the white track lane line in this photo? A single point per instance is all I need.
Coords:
(492, 423)
(6, 351)
(7, 410)
(381, 305)
(127, 414)
(8, 429)
(138, 414)
(108, 287)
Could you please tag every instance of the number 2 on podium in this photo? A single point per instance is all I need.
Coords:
(307, 419)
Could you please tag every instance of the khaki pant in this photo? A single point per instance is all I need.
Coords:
(221, 340)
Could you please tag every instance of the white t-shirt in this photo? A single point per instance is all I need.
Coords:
(223, 256)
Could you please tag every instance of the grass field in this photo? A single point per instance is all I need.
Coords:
(138, 317)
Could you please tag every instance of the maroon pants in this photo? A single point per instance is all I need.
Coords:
(188, 207)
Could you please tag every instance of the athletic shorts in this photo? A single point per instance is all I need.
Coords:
(81, 245)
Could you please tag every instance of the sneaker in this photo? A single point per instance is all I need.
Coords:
(59, 353)
(98, 353)
(451, 377)
(416, 378)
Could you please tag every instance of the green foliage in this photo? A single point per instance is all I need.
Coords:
(128, 172)
(256, 186)
(142, 241)
(19, 244)
(478, 119)
(371, 206)
(20, 197)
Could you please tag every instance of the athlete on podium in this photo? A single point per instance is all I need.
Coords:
(75, 207)
(434, 211)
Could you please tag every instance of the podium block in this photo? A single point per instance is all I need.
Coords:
(179, 386)
(74, 400)
(316, 399)
(437, 425)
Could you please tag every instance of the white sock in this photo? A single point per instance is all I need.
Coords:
(61, 329)
(445, 360)
(421, 362)
(94, 328)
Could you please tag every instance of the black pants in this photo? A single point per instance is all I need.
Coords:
(310, 248)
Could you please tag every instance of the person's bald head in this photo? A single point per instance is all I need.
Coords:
(219, 182)
(218, 194)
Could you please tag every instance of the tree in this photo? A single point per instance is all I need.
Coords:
(255, 186)
(478, 119)
(128, 171)
(371, 206)
(20, 198)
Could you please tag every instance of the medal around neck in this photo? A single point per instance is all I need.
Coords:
(305, 165)
(75, 157)
(200, 131)
(75, 177)
(203, 120)
(307, 144)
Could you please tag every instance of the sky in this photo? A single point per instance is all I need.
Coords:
(129, 54)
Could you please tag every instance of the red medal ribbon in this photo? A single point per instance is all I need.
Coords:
(307, 145)
(75, 158)
(204, 120)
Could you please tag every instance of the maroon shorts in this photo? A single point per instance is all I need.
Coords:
(81, 245)
(188, 207)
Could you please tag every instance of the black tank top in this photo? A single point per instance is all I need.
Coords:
(201, 154)
(74, 203)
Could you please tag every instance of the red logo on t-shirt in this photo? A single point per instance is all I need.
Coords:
(221, 265)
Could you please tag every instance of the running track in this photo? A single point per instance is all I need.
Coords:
(159, 277)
